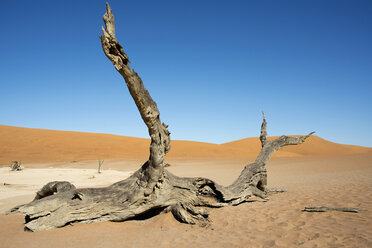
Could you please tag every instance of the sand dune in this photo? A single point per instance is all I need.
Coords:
(40, 145)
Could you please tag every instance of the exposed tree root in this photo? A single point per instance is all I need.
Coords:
(152, 189)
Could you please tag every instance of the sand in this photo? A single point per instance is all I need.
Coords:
(330, 181)
(318, 172)
(39, 145)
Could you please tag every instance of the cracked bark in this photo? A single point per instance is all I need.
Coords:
(152, 189)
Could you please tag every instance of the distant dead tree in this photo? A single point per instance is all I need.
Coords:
(100, 162)
(15, 166)
(151, 189)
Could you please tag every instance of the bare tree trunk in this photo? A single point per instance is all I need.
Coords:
(100, 162)
(151, 189)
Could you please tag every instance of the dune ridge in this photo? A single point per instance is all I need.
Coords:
(40, 145)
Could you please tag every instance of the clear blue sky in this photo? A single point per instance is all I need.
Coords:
(211, 66)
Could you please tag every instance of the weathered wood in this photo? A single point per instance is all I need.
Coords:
(325, 209)
(100, 162)
(152, 189)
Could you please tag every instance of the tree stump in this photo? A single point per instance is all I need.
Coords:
(15, 166)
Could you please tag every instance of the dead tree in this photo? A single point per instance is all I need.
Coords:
(15, 166)
(151, 189)
(100, 162)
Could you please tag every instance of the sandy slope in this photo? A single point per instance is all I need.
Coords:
(39, 145)
(328, 180)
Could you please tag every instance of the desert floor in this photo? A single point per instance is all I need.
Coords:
(335, 181)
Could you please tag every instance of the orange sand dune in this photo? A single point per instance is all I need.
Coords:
(40, 145)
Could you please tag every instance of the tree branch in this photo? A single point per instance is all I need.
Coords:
(160, 136)
(263, 130)
(272, 146)
(325, 209)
